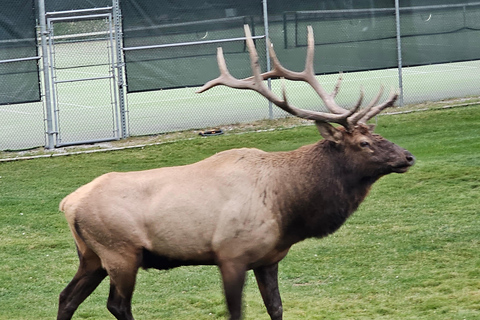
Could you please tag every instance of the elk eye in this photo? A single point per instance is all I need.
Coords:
(364, 144)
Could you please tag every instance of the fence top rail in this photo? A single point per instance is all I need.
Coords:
(80, 11)
(343, 11)
(442, 6)
(20, 59)
(183, 44)
(392, 9)
(24, 40)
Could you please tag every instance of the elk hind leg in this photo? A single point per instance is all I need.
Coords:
(89, 275)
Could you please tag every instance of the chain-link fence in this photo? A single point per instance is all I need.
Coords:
(21, 124)
(103, 70)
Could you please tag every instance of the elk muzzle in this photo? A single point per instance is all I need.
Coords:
(403, 166)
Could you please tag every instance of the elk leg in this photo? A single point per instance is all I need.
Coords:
(267, 280)
(233, 276)
(122, 283)
(89, 275)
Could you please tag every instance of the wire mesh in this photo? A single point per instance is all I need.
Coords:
(165, 47)
(22, 126)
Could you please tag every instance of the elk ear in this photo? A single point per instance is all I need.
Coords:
(329, 132)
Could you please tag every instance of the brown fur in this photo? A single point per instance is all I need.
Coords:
(239, 209)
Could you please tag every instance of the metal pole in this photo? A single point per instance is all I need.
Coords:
(399, 51)
(267, 53)
(118, 42)
(46, 77)
(54, 78)
(112, 59)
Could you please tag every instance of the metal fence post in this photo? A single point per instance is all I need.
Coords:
(399, 51)
(50, 141)
(121, 86)
(267, 53)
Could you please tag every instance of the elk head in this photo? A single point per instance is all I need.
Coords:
(355, 136)
(366, 153)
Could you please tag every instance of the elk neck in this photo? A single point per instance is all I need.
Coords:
(318, 188)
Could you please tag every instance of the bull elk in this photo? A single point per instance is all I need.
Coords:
(256, 206)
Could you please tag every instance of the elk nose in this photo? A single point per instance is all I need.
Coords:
(409, 157)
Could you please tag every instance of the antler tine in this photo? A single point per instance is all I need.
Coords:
(379, 108)
(360, 100)
(278, 70)
(256, 71)
(309, 73)
(310, 51)
(354, 119)
(225, 78)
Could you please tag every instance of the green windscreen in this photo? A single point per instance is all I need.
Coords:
(170, 44)
(345, 40)
(440, 34)
(365, 39)
(19, 80)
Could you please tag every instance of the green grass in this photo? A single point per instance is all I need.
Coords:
(411, 251)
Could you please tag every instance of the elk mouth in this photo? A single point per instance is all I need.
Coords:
(401, 168)
(404, 166)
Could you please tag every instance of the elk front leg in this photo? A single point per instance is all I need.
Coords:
(267, 280)
(233, 276)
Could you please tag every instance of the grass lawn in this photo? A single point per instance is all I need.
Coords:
(412, 250)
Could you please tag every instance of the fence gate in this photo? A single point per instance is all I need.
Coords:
(82, 64)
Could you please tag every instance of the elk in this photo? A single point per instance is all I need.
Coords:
(240, 209)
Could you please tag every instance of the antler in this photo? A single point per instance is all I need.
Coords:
(347, 118)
